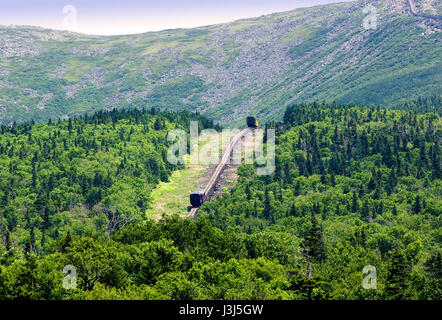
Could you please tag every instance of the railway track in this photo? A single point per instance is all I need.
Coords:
(413, 11)
(224, 160)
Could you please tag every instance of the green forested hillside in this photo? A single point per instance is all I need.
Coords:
(227, 71)
(86, 174)
(353, 186)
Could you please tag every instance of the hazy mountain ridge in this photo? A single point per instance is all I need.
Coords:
(228, 70)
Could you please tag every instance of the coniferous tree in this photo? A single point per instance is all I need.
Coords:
(435, 161)
(314, 246)
(66, 242)
(433, 265)
(422, 152)
(158, 125)
(417, 205)
(365, 210)
(355, 203)
(248, 193)
(293, 210)
(255, 209)
(392, 181)
(398, 274)
(371, 184)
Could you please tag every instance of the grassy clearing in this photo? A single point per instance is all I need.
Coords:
(156, 46)
(173, 197)
(76, 69)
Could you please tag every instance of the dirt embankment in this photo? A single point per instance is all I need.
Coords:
(228, 176)
(224, 183)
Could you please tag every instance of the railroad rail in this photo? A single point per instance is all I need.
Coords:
(224, 160)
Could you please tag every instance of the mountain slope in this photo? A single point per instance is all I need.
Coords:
(226, 71)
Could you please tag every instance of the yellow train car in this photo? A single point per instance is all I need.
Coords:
(252, 122)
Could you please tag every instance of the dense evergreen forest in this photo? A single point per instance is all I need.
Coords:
(427, 103)
(353, 186)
